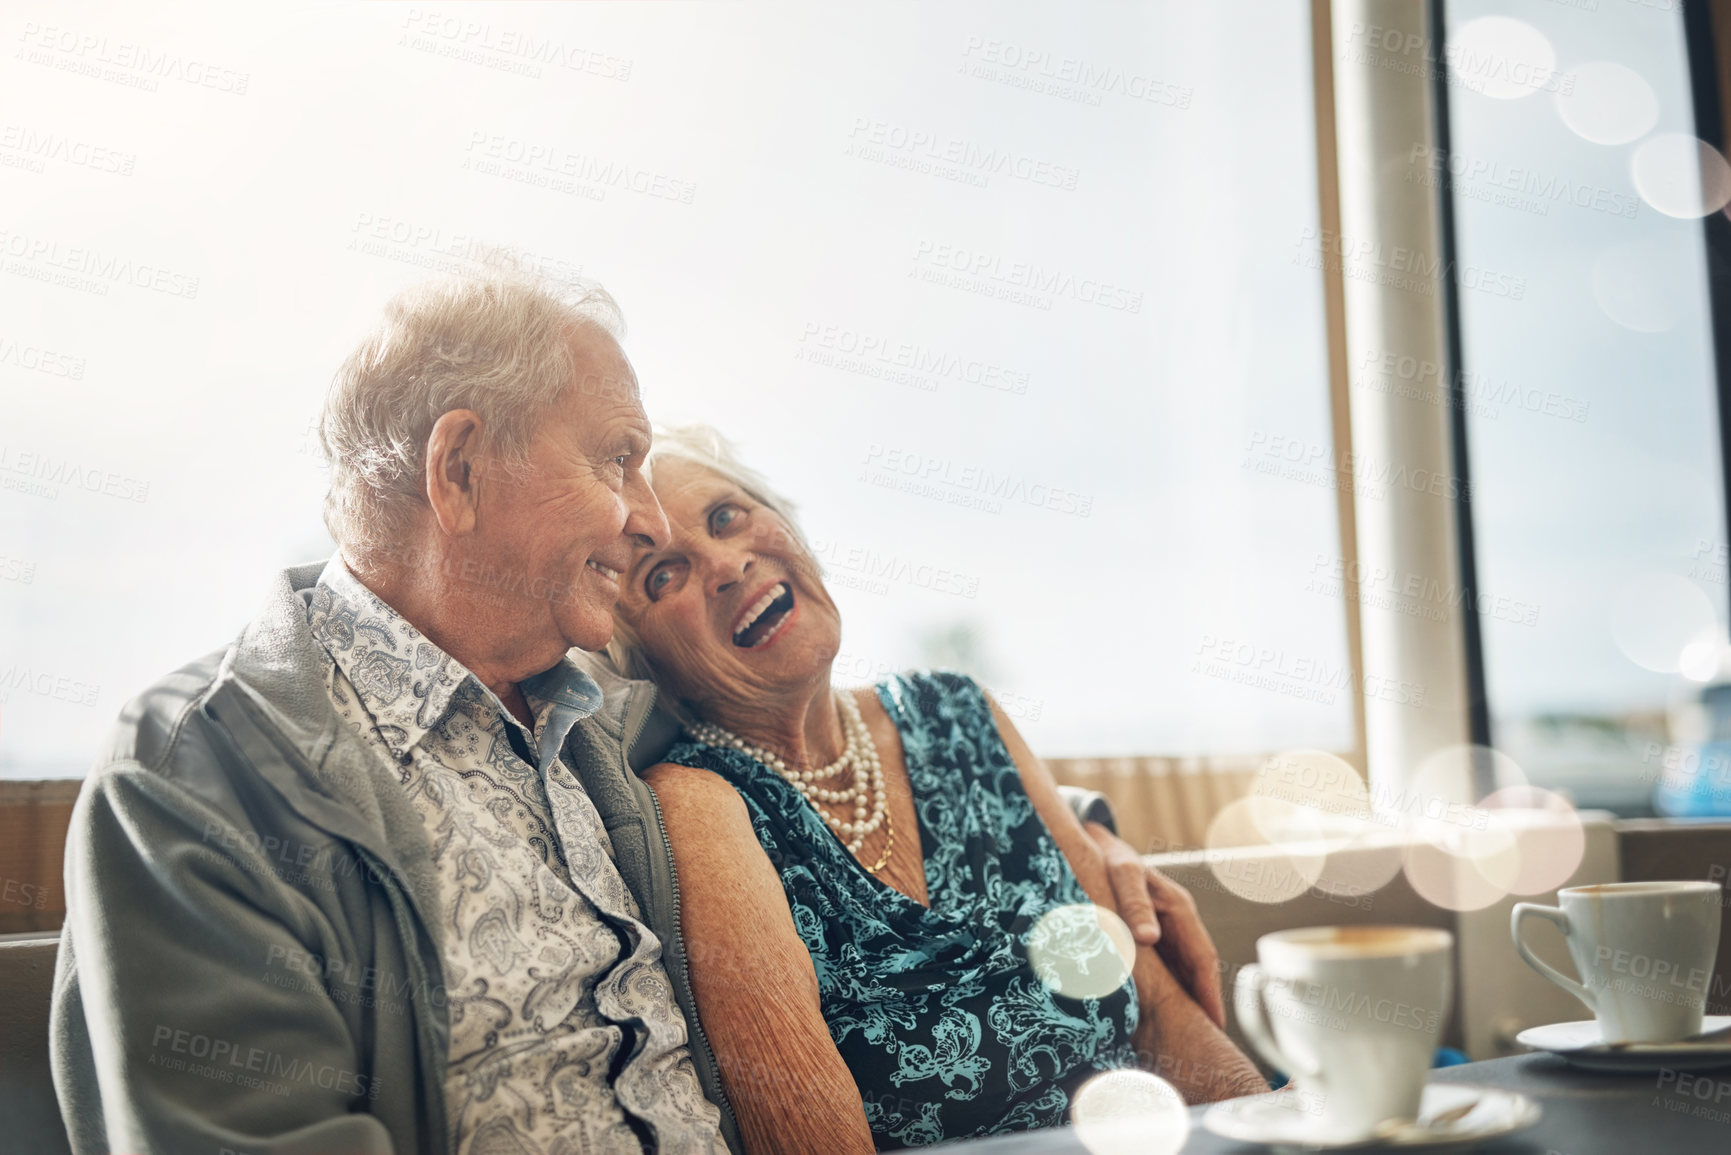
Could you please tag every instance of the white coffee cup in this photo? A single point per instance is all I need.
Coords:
(1644, 951)
(1353, 1014)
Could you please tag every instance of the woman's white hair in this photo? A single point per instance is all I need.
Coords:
(497, 341)
(705, 447)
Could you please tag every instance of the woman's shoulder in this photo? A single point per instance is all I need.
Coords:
(928, 691)
(689, 752)
(929, 705)
(722, 772)
(693, 793)
(684, 778)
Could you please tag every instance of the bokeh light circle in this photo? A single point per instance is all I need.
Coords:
(1457, 857)
(1130, 1113)
(1681, 176)
(1500, 57)
(1449, 779)
(1265, 850)
(1363, 865)
(1464, 873)
(1610, 103)
(1657, 617)
(1546, 830)
(1324, 784)
(1358, 853)
(1081, 951)
(1705, 658)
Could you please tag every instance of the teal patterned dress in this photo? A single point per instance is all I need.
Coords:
(941, 1013)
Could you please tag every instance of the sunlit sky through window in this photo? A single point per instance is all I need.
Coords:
(1590, 402)
(1008, 297)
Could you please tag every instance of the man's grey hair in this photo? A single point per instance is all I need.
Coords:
(496, 341)
(705, 447)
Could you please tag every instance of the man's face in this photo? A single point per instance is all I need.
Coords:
(551, 543)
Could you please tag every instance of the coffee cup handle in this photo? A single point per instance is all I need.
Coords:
(1549, 914)
(1253, 1020)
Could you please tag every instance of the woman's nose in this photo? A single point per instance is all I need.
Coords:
(727, 568)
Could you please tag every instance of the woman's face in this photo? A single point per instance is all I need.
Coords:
(732, 610)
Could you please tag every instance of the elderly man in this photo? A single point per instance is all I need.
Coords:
(380, 876)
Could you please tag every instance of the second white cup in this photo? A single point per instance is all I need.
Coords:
(1644, 951)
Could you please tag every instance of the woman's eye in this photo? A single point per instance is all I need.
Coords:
(660, 579)
(725, 516)
(622, 459)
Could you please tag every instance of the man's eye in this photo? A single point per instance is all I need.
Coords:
(622, 459)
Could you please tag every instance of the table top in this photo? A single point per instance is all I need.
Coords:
(1585, 1113)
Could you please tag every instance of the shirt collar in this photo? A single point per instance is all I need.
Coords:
(409, 685)
(560, 696)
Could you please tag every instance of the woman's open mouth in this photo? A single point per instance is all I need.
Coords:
(765, 618)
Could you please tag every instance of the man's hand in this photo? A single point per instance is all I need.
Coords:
(1161, 914)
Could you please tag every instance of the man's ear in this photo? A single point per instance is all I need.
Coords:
(453, 472)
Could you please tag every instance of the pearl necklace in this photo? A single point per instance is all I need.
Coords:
(865, 798)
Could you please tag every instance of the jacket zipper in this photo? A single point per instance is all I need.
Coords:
(684, 977)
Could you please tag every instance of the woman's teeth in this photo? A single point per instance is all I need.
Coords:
(611, 575)
(756, 611)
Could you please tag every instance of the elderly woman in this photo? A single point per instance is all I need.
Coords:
(881, 887)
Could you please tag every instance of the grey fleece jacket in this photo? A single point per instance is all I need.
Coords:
(249, 965)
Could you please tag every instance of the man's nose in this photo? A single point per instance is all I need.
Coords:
(645, 522)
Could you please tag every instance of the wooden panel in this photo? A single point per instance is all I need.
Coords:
(1161, 804)
(33, 821)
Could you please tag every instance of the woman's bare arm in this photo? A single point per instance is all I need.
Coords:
(1175, 1039)
(756, 989)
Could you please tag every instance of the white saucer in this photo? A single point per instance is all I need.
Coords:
(1450, 1113)
(1581, 1044)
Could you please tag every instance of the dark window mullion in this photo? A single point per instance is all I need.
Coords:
(1472, 637)
(1705, 62)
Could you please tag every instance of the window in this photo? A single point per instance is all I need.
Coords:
(1589, 400)
(1011, 299)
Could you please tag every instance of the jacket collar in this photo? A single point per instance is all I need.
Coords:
(270, 696)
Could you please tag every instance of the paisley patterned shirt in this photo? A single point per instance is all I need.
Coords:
(565, 1036)
(985, 1011)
